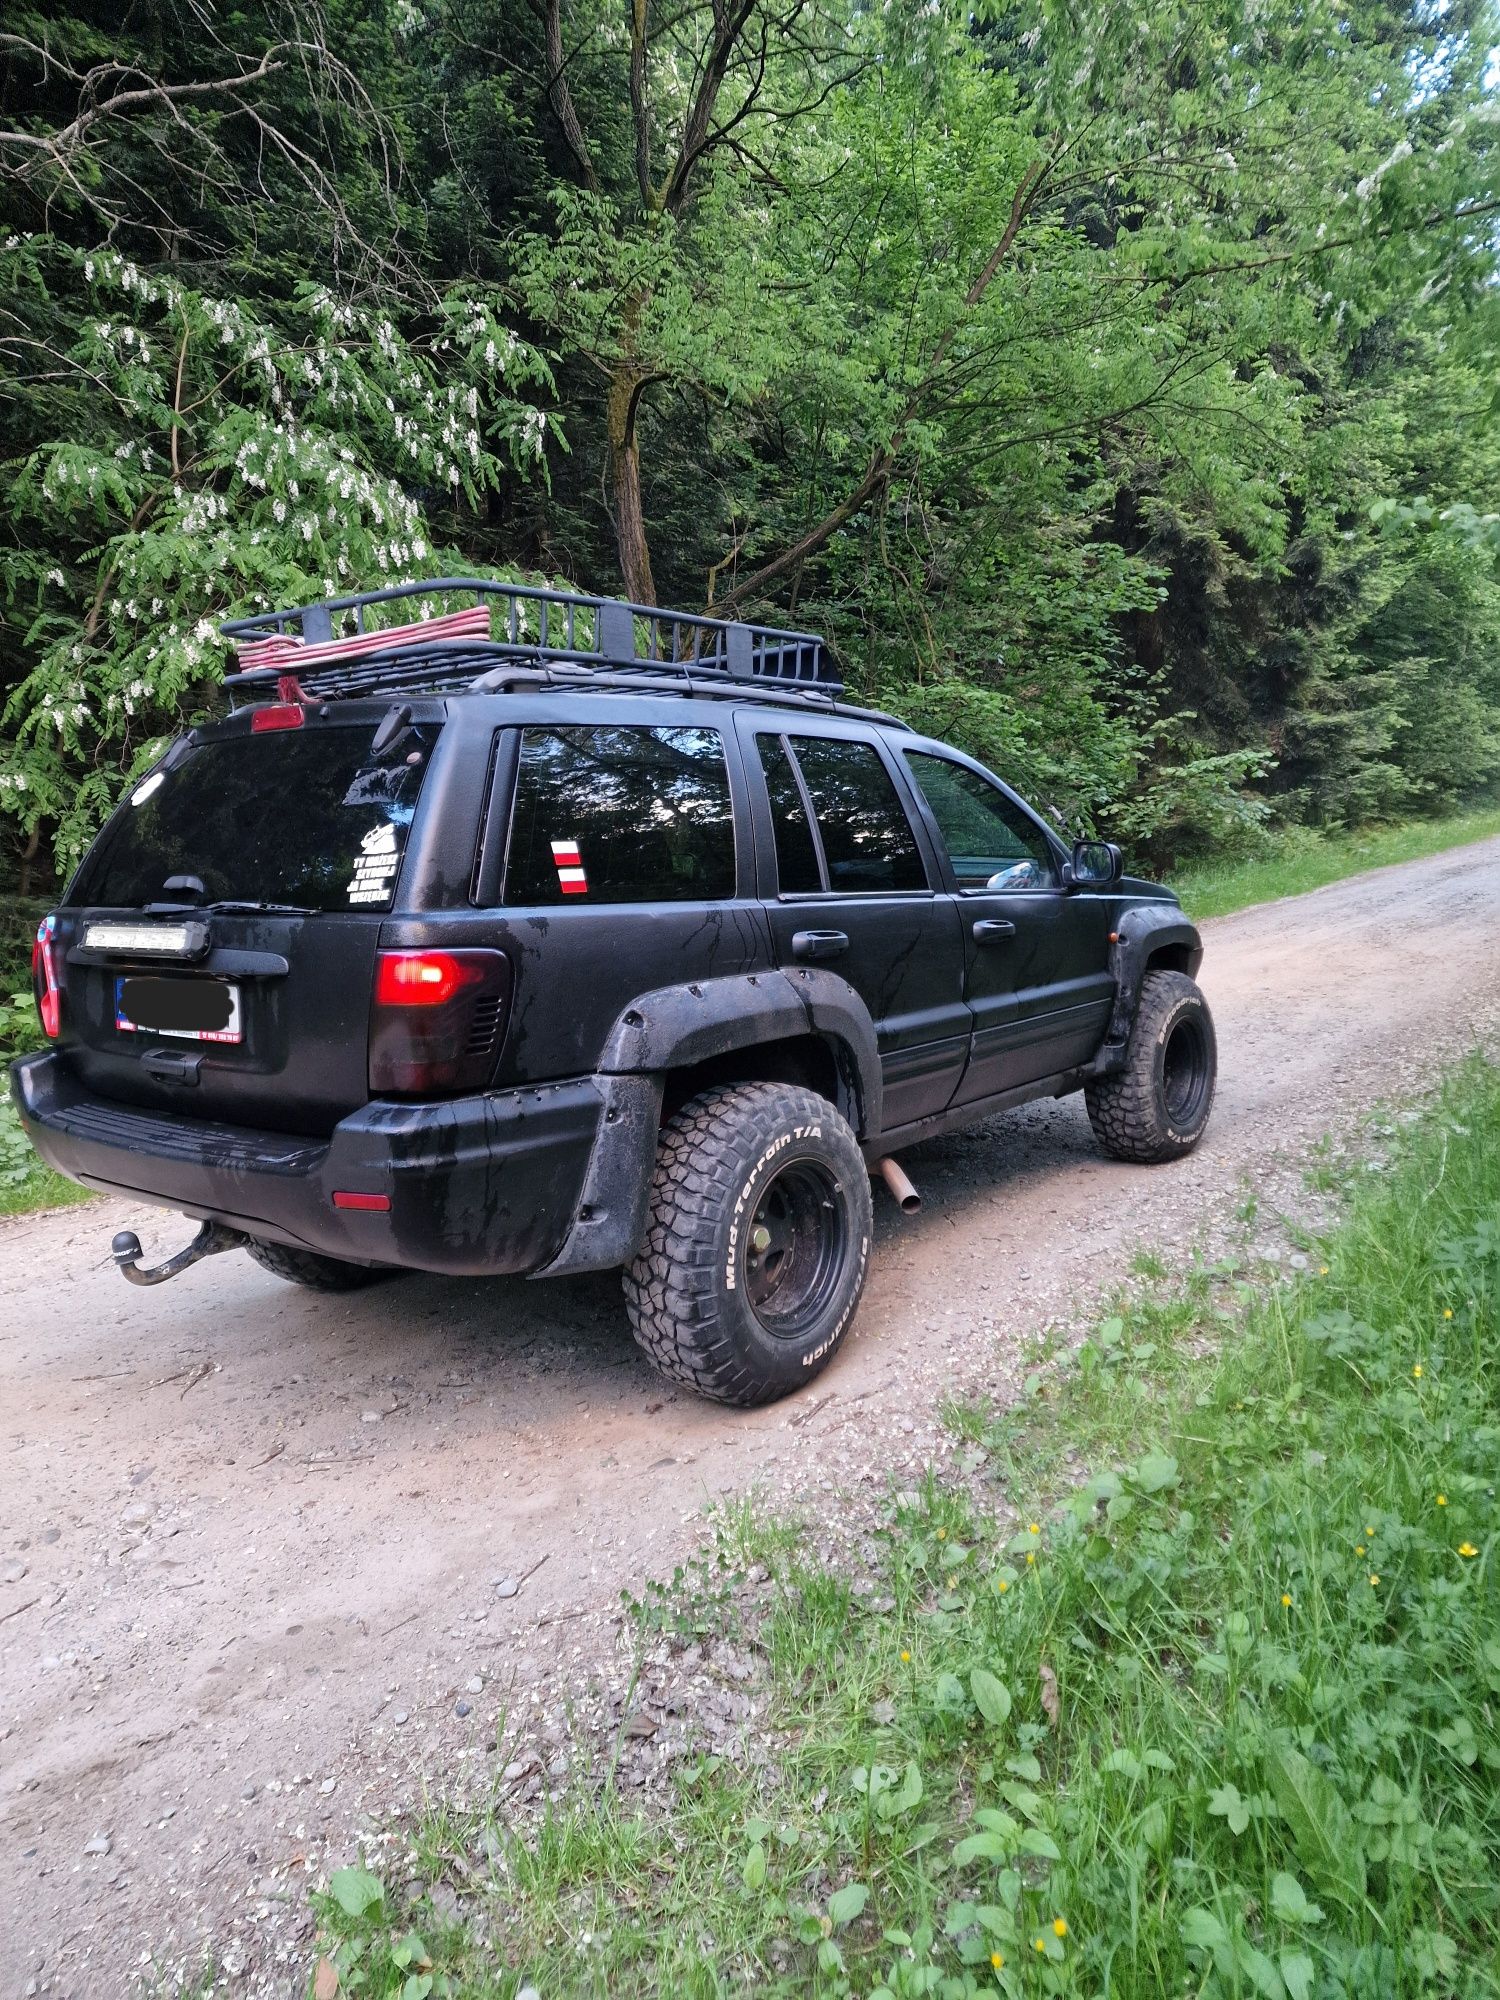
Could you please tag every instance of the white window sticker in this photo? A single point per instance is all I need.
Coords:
(375, 867)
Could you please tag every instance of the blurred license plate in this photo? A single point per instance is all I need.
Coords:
(197, 1010)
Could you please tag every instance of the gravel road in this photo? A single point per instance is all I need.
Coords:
(268, 1557)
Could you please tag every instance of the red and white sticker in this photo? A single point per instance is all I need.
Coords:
(568, 862)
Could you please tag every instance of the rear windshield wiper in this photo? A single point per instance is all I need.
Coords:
(231, 909)
(227, 908)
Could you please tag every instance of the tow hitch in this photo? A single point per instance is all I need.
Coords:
(210, 1240)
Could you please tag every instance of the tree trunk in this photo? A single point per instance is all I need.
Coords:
(625, 487)
(28, 855)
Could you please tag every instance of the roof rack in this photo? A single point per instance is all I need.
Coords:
(544, 628)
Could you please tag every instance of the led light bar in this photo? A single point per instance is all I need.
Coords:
(160, 940)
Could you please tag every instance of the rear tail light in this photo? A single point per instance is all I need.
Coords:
(437, 1020)
(44, 980)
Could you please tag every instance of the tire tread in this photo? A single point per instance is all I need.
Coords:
(1125, 1109)
(672, 1288)
(313, 1271)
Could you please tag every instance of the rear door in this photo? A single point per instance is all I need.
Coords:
(851, 890)
(1037, 955)
(217, 946)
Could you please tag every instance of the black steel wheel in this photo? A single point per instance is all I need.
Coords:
(757, 1243)
(795, 1249)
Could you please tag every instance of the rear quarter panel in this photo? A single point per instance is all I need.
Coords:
(577, 966)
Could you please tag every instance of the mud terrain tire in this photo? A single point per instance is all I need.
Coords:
(318, 1274)
(1157, 1106)
(756, 1246)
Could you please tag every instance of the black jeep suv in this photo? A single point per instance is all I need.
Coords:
(618, 939)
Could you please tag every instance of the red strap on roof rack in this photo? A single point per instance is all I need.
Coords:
(284, 650)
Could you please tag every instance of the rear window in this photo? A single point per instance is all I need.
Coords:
(621, 816)
(301, 816)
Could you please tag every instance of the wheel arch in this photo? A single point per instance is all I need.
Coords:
(714, 1027)
(815, 1061)
(806, 1026)
(1149, 937)
(1180, 956)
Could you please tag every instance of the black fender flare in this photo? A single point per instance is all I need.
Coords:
(674, 1027)
(1142, 931)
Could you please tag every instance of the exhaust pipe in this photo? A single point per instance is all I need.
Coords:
(906, 1195)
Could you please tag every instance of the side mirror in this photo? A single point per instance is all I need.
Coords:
(1096, 864)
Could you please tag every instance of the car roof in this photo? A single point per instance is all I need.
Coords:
(647, 708)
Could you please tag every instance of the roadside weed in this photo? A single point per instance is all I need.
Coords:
(1220, 1717)
(26, 1182)
(967, 1417)
(699, 1598)
(154, 1983)
(1297, 859)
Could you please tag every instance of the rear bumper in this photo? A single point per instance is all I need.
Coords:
(478, 1186)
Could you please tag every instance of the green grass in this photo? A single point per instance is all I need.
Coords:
(1304, 860)
(33, 1185)
(25, 1182)
(1222, 1721)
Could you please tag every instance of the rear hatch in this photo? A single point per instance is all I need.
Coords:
(216, 951)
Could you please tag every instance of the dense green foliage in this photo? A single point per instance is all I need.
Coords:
(25, 1183)
(1117, 387)
(1223, 1720)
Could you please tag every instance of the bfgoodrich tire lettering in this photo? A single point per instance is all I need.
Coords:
(318, 1274)
(1157, 1106)
(757, 1243)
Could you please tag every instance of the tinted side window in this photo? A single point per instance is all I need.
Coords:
(867, 838)
(621, 816)
(989, 842)
(797, 869)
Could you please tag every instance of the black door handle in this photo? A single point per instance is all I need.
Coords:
(990, 930)
(819, 944)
